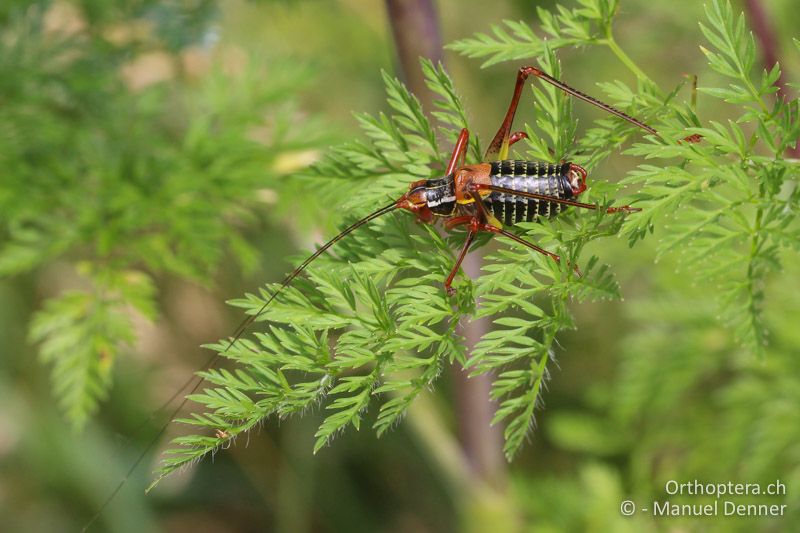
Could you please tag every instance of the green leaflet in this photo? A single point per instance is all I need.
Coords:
(378, 301)
(108, 185)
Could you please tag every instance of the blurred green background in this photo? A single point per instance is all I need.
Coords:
(169, 94)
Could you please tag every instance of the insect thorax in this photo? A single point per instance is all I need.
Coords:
(440, 195)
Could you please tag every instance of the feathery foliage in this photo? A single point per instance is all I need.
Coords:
(728, 207)
(371, 323)
(690, 366)
(116, 182)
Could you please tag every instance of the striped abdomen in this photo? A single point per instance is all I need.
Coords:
(528, 176)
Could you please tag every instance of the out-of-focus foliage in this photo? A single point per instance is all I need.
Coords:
(647, 389)
(702, 393)
(727, 194)
(732, 209)
(105, 169)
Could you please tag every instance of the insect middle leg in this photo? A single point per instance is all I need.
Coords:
(480, 222)
(475, 226)
(484, 213)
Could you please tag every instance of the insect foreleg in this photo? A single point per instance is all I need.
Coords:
(474, 226)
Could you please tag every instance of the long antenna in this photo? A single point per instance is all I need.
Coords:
(243, 327)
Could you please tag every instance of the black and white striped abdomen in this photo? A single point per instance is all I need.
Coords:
(528, 176)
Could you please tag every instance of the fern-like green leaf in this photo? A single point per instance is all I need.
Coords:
(370, 323)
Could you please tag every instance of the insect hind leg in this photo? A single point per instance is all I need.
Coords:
(498, 148)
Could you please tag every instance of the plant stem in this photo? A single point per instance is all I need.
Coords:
(764, 32)
(415, 29)
(760, 24)
(755, 246)
(416, 33)
(624, 58)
